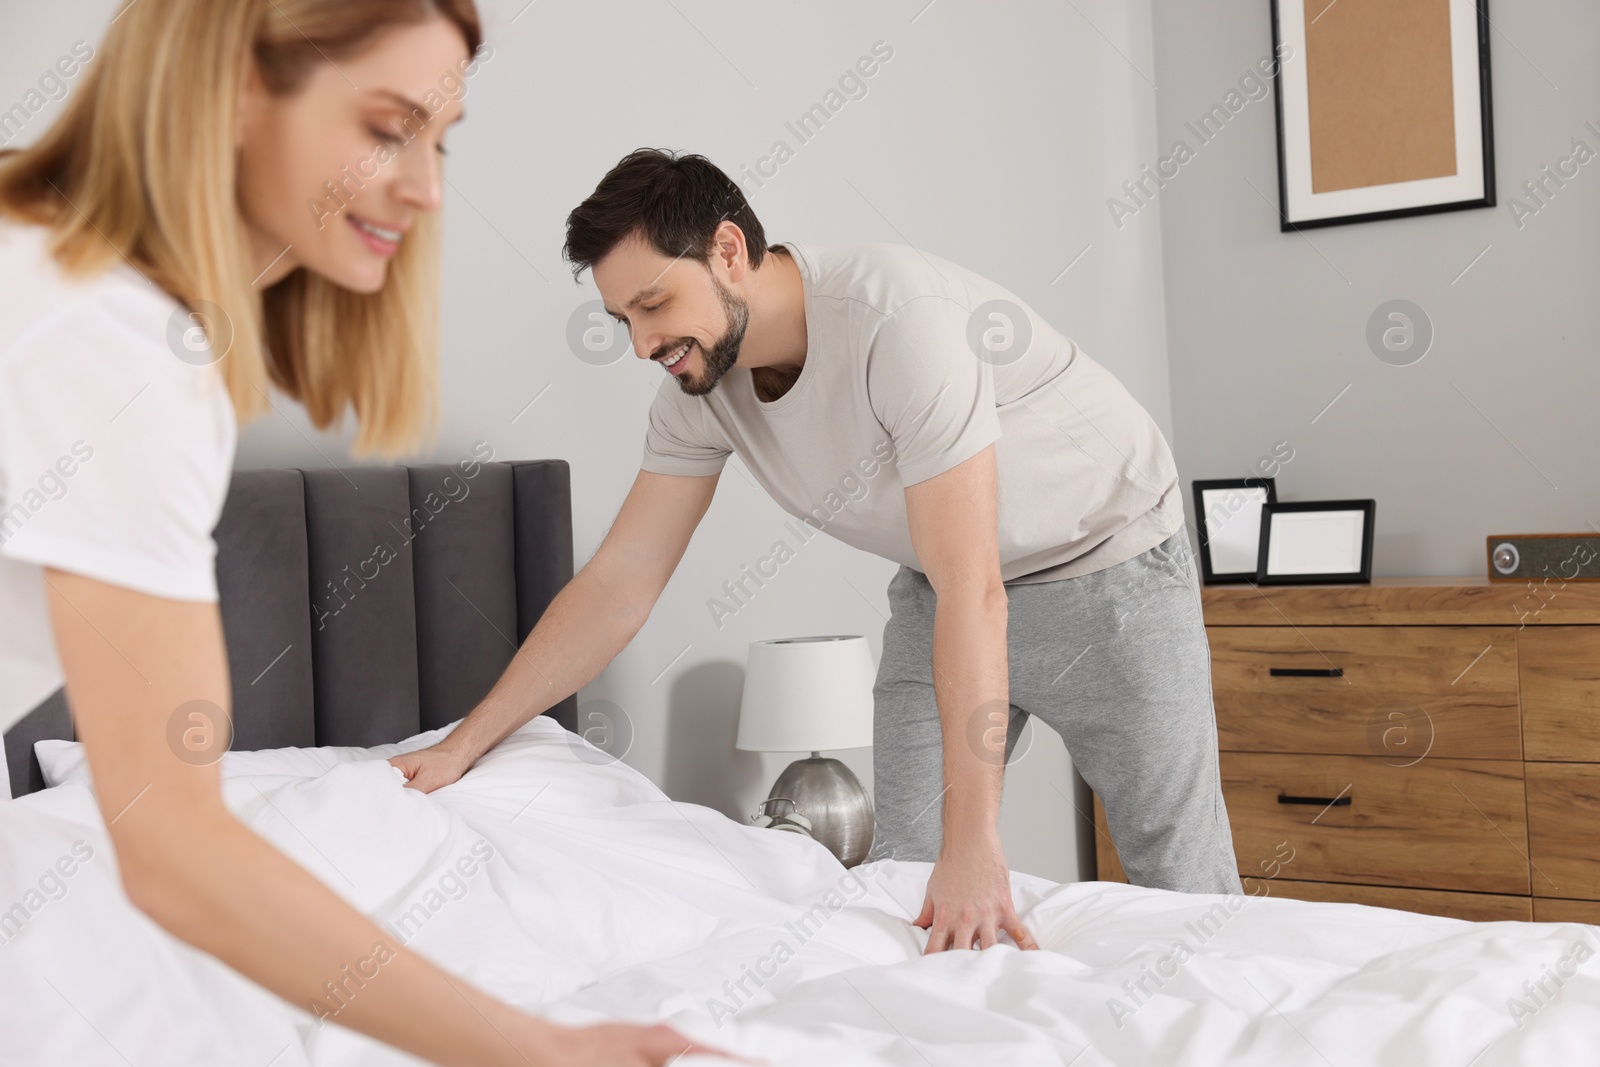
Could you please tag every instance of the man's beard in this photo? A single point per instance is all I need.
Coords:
(724, 352)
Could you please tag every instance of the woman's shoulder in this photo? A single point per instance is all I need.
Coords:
(37, 296)
(111, 359)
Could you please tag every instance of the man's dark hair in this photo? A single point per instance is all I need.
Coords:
(674, 202)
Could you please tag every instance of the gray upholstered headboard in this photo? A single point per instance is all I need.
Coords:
(364, 605)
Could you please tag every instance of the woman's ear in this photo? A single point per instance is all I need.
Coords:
(252, 96)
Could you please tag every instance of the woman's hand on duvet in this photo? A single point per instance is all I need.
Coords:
(969, 900)
(623, 1045)
(430, 768)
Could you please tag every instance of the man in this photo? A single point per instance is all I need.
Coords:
(1033, 506)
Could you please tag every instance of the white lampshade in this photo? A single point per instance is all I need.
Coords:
(807, 694)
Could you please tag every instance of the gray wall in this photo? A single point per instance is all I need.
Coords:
(1494, 430)
(991, 137)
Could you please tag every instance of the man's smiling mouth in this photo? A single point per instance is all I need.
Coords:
(676, 356)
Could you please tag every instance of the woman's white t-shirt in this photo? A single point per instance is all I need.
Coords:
(116, 445)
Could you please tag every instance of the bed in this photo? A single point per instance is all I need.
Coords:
(571, 886)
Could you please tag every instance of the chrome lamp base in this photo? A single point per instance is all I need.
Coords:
(829, 794)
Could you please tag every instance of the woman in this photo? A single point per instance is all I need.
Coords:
(240, 192)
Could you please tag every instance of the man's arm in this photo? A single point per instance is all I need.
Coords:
(954, 523)
(591, 620)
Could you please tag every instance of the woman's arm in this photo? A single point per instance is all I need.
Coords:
(130, 661)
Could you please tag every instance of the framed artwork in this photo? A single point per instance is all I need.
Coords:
(1383, 109)
(1312, 542)
(1229, 526)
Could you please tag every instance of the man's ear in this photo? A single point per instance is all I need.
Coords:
(729, 250)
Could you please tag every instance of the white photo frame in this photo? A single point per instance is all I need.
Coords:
(1316, 542)
(1228, 525)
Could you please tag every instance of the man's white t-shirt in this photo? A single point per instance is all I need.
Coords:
(913, 365)
(115, 454)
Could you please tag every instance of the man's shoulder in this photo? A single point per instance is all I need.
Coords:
(836, 264)
(883, 280)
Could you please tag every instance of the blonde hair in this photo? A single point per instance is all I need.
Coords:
(141, 166)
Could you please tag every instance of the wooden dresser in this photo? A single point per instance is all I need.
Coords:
(1427, 744)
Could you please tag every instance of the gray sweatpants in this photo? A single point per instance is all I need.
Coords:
(1116, 662)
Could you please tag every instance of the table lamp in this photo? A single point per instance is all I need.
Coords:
(807, 694)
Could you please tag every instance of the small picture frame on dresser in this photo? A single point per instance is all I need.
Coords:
(1314, 542)
(1229, 526)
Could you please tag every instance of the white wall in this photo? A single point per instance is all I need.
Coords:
(992, 137)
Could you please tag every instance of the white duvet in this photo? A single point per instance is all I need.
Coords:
(581, 893)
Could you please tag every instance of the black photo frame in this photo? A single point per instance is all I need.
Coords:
(1300, 207)
(1270, 566)
(1207, 532)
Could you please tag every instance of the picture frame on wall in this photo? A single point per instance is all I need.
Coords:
(1383, 109)
(1229, 526)
(1316, 542)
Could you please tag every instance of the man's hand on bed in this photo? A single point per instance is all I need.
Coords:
(969, 900)
(431, 768)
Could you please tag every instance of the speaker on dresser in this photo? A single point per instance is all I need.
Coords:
(1538, 557)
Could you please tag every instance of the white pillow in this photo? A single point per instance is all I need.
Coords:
(64, 761)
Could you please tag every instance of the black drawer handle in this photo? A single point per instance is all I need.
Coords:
(1327, 802)
(1307, 672)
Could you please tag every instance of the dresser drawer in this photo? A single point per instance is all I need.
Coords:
(1401, 693)
(1564, 829)
(1560, 672)
(1546, 910)
(1474, 907)
(1438, 824)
